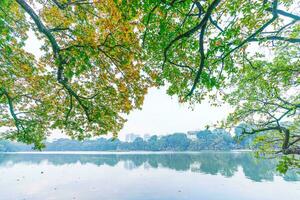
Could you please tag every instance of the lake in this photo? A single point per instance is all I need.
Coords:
(143, 176)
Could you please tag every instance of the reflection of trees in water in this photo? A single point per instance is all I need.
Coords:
(226, 164)
(264, 169)
(223, 163)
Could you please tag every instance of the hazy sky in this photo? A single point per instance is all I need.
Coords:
(160, 114)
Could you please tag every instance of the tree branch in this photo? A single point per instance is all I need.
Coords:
(263, 27)
(286, 14)
(254, 131)
(193, 30)
(56, 51)
(202, 60)
(17, 122)
(291, 40)
(147, 24)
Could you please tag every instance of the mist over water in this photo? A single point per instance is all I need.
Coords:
(155, 176)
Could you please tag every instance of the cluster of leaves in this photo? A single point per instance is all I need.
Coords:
(197, 45)
(265, 94)
(88, 77)
(20, 79)
(286, 163)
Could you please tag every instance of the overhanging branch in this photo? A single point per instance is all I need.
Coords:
(193, 30)
(56, 51)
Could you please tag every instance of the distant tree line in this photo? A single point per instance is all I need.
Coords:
(217, 139)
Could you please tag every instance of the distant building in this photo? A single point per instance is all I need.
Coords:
(131, 137)
(192, 135)
(147, 137)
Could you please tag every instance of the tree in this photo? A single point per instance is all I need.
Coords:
(175, 142)
(218, 50)
(217, 139)
(266, 97)
(89, 76)
(198, 45)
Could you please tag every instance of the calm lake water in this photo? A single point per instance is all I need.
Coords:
(144, 176)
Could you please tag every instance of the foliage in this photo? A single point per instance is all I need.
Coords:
(218, 50)
(286, 163)
(88, 77)
(268, 99)
(198, 45)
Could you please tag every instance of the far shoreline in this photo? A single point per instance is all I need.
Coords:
(127, 152)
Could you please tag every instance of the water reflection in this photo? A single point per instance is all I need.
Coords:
(213, 163)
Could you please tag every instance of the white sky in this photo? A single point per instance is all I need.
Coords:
(160, 114)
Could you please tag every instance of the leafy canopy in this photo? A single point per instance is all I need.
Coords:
(198, 45)
(88, 77)
(244, 53)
